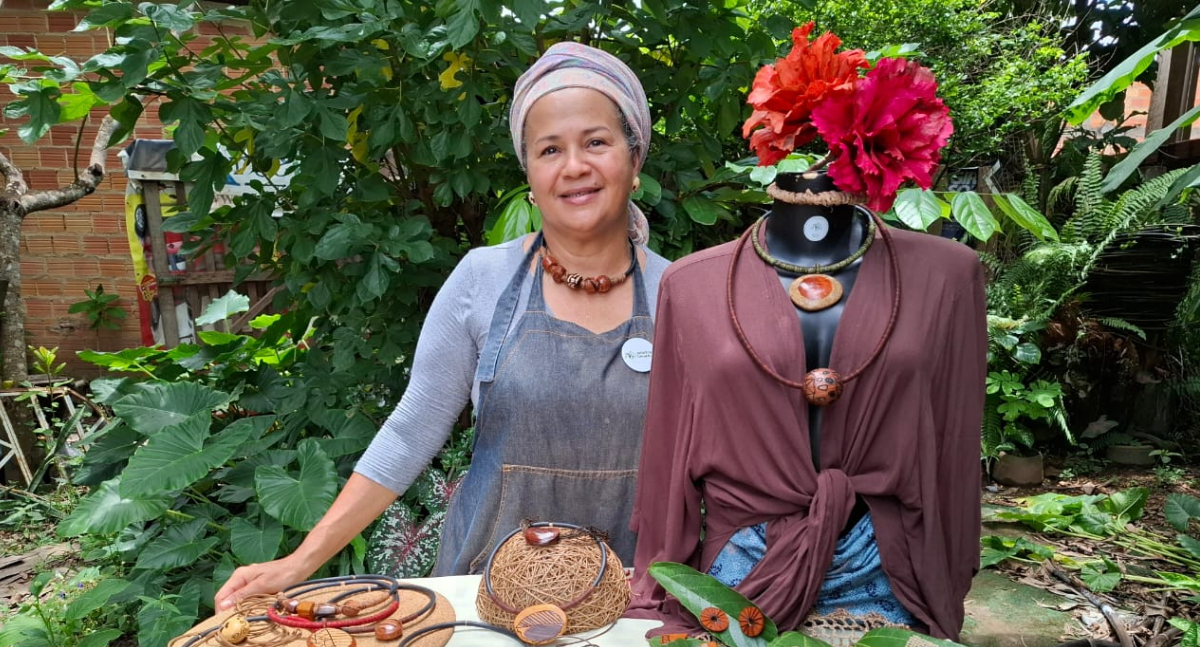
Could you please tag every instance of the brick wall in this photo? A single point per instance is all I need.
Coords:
(84, 244)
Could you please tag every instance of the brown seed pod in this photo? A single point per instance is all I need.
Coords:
(751, 621)
(714, 620)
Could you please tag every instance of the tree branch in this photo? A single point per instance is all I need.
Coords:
(85, 184)
(14, 180)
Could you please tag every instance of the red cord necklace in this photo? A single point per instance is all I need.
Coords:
(821, 386)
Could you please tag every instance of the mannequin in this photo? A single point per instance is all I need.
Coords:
(810, 235)
(748, 475)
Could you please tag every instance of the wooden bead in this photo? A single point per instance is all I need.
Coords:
(603, 284)
(822, 386)
(236, 629)
(351, 608)
(546, 263)
(325, 611)
(306, 609)
(589, 286)
(541, 535)
(573, 280)
(558, 272)
(291, 606)
(751, 621)
(389, 630)
(714, 620)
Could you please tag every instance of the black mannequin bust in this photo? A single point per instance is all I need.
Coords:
(815, 235)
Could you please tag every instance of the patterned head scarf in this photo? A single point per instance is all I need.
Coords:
(573, 65)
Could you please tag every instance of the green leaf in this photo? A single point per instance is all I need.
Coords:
(43, 111)
(1027, 353)
(159, 622)
(299, 501)
(518, 218)
(106, 511)
(254, 543)
(1097, 577)
(796, 639)
(918, 209)
(176, 457)
(697, 591)
(1190, 545)
(529, 12)
(463, 23)
(1127, 505)
(100, 638)
(207, 175)
(25, 631)
(1027, 217)
(93, 599)
(162, 405)
(179, 545)
(972, 213)
(193, 117)
(109, 13)
(892, 637)
(702, 210)
(375, 282)
(224, 308)
(1185, 181)
(39, 582)
(173, 17)
(1128, 70)
(1179, 509)
(1138, 154)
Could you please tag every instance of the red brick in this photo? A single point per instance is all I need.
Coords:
(74, 288)
(31, 267)
(106, 223)
(25, 158)
(112, 268)
(68, 244)
(38, 245)
(37, 309)
(63, 136)
(45, 221)
(97, 245)
(42, 178)
(61, 21)
(34, 24)
(55, 156)
(80, 223)
(22, 40)
(42, 286)
(74, 267)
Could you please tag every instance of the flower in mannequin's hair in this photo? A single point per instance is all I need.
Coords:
(881, 129)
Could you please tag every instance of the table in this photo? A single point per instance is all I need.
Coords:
(460, 590)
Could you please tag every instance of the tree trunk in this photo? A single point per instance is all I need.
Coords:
(12, 326)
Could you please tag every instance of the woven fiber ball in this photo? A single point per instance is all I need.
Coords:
(525, 575)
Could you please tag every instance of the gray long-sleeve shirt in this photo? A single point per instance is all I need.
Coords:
(443, 372)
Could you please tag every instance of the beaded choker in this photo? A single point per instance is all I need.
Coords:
(814, 289)
(577, 281)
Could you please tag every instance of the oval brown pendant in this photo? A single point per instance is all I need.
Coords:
(813, 292)
(540, 624)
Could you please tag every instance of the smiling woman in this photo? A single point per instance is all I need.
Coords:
(546, 336)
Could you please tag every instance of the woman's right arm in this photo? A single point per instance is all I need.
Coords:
(438, 390)
(359, 503)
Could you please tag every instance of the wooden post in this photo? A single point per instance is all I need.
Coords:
(162, 270)
(1174, 89)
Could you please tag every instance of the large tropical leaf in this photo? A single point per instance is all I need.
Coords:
(177, 456)
(697, 591)
(892, 637)
(1179, 509)
(403, 546)
(164, 404)
(1027, 217)
(93, 599)
(179, 545)
(255, 542)
(224, 308)
(106, 511)
(1138, 154)
(917, 208)
(797, 639)
(298, 500)
(972, 213)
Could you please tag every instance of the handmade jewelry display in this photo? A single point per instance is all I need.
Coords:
(589, 284)
(349, 611)
(820, 386)
(548, 579)
(815, 289)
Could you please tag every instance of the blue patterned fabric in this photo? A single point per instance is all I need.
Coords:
(855, 582)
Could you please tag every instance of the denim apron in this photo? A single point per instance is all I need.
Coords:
(558, 428)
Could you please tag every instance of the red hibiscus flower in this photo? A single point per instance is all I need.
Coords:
(889, 129)
(784, 94)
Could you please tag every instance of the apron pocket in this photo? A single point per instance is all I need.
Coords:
(602, 499)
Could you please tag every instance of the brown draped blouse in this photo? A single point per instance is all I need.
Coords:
(720, 432)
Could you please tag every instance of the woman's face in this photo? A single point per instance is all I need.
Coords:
(578, 162)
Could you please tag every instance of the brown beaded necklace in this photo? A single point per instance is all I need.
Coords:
(576, 281)
(821, 386)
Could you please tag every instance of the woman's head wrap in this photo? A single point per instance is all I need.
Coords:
(573, 65)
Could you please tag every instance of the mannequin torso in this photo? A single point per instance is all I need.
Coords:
(812, 235)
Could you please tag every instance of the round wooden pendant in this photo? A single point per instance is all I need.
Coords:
(236, 629)
(822, 386)
(813, 292)
(327, 637)
(541, 535)
(540, 624)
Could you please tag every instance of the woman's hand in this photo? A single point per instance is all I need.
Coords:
(267, 577)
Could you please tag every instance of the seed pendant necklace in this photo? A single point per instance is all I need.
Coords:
(815, 289)
(821, 386)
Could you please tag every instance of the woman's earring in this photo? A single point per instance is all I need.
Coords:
(532, 200)
(637, 184)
